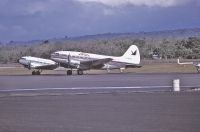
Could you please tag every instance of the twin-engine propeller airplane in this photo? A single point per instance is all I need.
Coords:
(37, 64)
(85, 61)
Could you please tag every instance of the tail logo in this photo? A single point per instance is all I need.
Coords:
(134, 53)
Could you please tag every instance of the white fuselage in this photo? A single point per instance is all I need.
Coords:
(77, 57)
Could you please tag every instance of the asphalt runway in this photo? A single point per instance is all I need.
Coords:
(106, 83)
(130, 112)
(96, 103)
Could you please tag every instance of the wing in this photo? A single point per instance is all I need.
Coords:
(34, 65)
(97, 63)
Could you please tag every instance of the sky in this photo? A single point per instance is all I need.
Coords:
(24, 20)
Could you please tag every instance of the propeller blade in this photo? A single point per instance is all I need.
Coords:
(69, 60)
(29, 65)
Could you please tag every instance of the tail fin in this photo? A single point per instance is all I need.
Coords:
(133, 54)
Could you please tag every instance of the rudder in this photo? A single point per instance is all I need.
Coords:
(133, 54)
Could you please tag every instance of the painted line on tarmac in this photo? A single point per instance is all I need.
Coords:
(92, 88)
(85, 88)
(9, 67)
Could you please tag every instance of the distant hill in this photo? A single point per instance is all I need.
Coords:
(158, 35)
(168, 44)
(179, 33)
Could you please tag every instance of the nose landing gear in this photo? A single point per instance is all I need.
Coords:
(79, 72)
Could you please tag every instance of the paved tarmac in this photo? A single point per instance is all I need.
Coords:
(99, 103)
(132, 112)
(96, 83)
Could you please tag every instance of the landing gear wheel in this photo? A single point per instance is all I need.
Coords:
(33, 73)
(37, 72)
(80, 72)
(69, 72)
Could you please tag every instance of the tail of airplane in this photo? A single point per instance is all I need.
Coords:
(133, 54)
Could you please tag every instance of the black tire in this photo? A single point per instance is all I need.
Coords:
(37, 72)
(80, 72)
(69, 72)
(33, 73)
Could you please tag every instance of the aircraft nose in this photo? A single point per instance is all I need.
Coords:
(21, 61)
(51, 56)
(54, 55)
(18, 60)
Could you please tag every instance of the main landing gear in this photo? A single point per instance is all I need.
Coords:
(69, 72)
(79, 72)
(36, 72)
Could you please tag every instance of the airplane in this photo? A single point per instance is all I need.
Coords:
(184, 63)
(37, 64)
(190, 63)
(86, 61)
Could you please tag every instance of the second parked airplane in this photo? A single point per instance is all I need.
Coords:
(37, 64)
(85, 61)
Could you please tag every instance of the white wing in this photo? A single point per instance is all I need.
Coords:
(35, 65)
(97, 63)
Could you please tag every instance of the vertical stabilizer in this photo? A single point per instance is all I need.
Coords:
(133, 54)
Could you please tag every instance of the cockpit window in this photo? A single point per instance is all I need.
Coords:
(55, 54)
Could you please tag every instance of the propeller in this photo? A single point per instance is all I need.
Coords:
(69, 60)
(29, 65)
